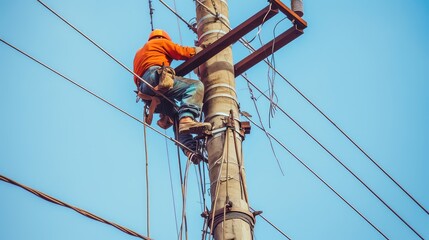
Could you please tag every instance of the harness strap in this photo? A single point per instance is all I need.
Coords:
(149, 110)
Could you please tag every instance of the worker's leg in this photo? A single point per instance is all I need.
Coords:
(151, 76)
(188, 93)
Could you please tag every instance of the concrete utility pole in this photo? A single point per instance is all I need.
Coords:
(229, 217)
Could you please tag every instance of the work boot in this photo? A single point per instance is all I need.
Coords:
(194, 127)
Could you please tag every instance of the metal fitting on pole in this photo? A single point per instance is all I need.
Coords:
(297, 7)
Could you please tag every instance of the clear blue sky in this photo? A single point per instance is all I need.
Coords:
(364, 63)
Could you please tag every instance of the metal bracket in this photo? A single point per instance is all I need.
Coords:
(238, 32)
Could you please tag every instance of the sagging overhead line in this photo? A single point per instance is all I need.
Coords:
(78, 210)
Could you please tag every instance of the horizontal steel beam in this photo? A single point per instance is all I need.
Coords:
(267, 50)
(225, 41)
(241, 30)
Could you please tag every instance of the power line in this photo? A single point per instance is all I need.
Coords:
(248, 46)
(95, 95)
(340, 162)
(269, 222)
(78, 210)
(108, 54)
(317, 176)
(147, 179)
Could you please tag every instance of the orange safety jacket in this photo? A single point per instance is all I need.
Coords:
(157, 52)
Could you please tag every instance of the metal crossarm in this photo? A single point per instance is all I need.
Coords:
(235, 34)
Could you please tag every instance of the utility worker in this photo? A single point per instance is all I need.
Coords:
(152, 63)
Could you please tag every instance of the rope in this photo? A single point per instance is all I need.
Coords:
(78, 210)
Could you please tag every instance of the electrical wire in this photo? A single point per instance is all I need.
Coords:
(322, 179)
(395, 181)
(178, 16)
(95, 95)
(348, 170)
(262, 125)
(246, 44)
(269, 222)
(171, 184)
(318, 177)
(108, 54)
(78, 210)
(147, 180)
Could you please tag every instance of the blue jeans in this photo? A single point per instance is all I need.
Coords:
(186, 93)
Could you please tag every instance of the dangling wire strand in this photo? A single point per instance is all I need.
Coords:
(147, 179)
(171, 184)
(246, 44)
(262, 125)
(271, 78)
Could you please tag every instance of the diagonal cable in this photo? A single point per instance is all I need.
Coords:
(108, 54)
(78, 210)
(341, 163)
(318, 177)
(95, 95)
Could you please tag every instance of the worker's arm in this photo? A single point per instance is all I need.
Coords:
(178, 52)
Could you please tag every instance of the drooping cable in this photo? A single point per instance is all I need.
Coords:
(171, 184)
(318, 177)
(271, 77)
(184, 225)
(78, 210)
